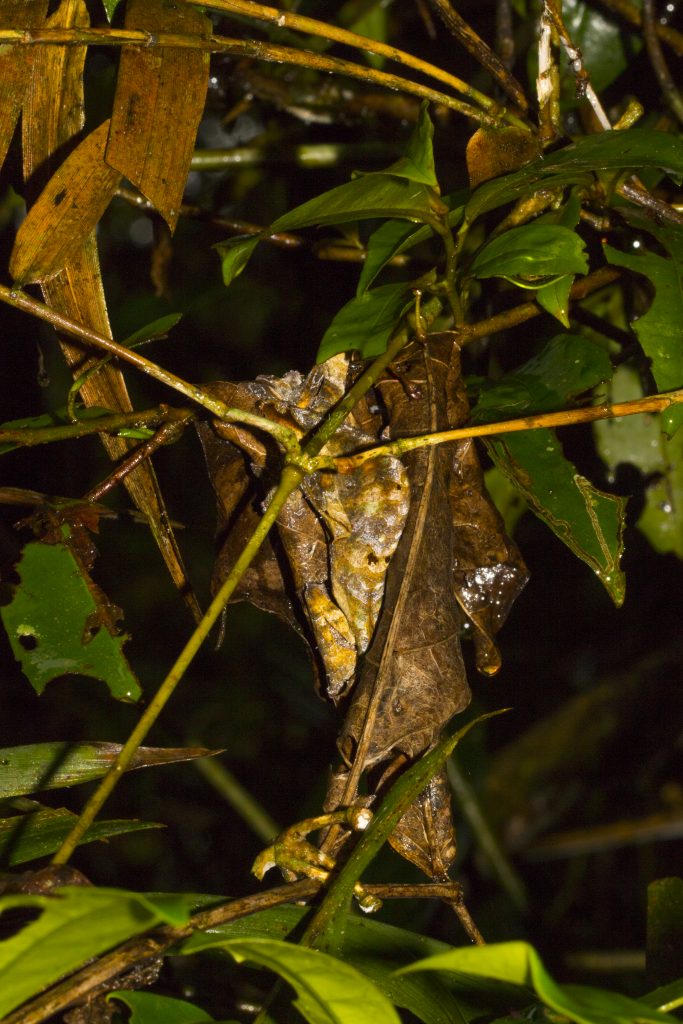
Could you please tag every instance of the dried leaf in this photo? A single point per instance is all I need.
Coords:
(495, 151)
(160, 94)
(53, 116)
(425, 835)
(16, 63)
(65, 213)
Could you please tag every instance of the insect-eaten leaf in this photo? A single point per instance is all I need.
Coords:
(159, 101)
(660, 329)
(527, 254)
(380, 560)
(69, 626)
(38, 833)
(640, 441)
(589, 521)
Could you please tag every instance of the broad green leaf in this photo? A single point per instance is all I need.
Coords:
(554, 297)
(366, 323)
(77, 924)
(328, 991)
(25, 837)
(586, 519)
(65, 625)
(39, 766)
(48, 419)
(418, 163)
(520, 964)
(640, 441)
(530, 252)
(660, 330)
(589, 521)
(324, 929)
(148, 1008)
(373, 195)
(664, 930)
(235, 254)
(577, 163)
(607, 46)
(378, 950)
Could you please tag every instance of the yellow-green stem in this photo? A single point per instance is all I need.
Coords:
(289, 481)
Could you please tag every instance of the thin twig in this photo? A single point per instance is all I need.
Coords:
(29, 436)
(566, 418)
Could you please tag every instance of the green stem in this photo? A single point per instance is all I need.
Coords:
(239, 798)
(28, 436)
(289, 481)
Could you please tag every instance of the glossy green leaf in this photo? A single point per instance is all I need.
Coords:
(576, 164)
(149, 1008)
(530, 252)
(366, 323)
(554, 297)
(640, 441)
(660, 330)
(66, 626)
(76, 925)
(666, 997)
(520, 964)
(40, 766)
(372, 195)
(324, 931)
(155, 329)
(418, 163)
(110, 7)
(589, 521)
(235, 254)
(378, 950)
(328, 991)
(606, 45)
(26, 837)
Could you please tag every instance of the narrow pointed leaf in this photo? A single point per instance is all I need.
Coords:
(75, 925)
(554, 297)
(160, 94)
(418, 162)
(26, 837)
(66, 211)
(40, 766)
(235, 254)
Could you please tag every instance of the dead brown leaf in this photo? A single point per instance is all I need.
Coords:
(65, 212)
(160, 95)
(16, 64)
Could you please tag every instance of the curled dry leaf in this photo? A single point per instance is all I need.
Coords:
(160, 94)
(379, 569)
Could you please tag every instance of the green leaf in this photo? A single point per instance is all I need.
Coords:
(64, 626)
(148, 1008)
(606, 45)
(530, 252)
(48, 419)
(373, 23)
(666, 997)
(418, 163)
(155, 329)
(634, 148)
(372, 195)
(39, 766)
(554, 297)
(520, 964)
(234, 254)
(110, 7)
(327, 990)
(506, 497)
(26, 837)
(76, 925)
(660, 330)
(640, 441)
(324, 930)
(586, 519)
(366, 323)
